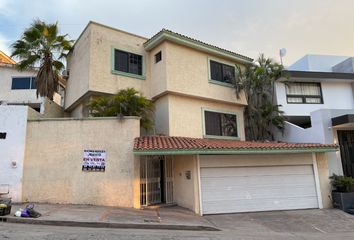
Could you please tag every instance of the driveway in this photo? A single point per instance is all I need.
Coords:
(299, 221)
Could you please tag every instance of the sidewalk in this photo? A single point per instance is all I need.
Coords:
(174, 218)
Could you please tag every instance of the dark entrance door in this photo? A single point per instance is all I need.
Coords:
(346, 144)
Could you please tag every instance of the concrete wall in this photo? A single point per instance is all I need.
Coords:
(336, 95)
(78, 64)
(320, 132)
(52, 109)
(325, 184)
(158, 70)
(186, 119)
(53, 161)
(101, 78)
(187, 73)
(161, 117)
(20, 96)
(319, 63)
(13, 122)
(16, 96)
(186, 191)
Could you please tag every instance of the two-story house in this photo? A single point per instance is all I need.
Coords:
(19, 87)
(197, 158)
(316, 94)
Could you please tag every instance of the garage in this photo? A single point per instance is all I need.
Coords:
(212, 176)
(268, 183)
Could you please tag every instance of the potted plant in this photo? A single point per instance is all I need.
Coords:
(343, 192)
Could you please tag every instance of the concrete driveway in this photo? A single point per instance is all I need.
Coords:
(299, 221)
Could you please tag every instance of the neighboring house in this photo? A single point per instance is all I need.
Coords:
(19, 87)
(201, 161)
(316, 94)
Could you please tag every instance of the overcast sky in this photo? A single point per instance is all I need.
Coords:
(247, 27)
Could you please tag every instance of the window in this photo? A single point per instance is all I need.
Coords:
(307, 93)
(2, 135)
(158, 57)
(23, 83)
(222, 72)
(128, 62)
(220, 124)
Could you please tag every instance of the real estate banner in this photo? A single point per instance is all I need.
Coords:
(94, 160)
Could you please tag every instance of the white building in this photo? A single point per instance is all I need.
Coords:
(19, 87)
(313, 92)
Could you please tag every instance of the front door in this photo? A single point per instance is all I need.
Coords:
(346, 144)
(156, 185)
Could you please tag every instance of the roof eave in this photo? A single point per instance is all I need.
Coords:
(233, 151)
(152, 43)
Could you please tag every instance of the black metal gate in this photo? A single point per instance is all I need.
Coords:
(346, 144)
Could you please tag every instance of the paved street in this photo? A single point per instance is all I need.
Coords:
(37, 232)
(302, 224)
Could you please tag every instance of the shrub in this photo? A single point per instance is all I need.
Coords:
(342, 183)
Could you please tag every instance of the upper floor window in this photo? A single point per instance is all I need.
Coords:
(220, 124)
(23, 83)
(128, 62)
(222, 72)
(308, 93)
(158, 57)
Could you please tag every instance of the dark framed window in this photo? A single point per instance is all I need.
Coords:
(220, 124)
(222, 72)
(158, 57)
(128, 62)
(304, 93)
(23, 83)
(2, 135)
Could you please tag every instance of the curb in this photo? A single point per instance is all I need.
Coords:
(107, 225)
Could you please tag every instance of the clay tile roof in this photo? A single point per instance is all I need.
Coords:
(6, 59)
(166, 143)
(166, 31)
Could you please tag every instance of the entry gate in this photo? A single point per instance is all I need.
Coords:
(156, 178)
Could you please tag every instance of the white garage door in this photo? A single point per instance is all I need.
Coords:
(250, 189)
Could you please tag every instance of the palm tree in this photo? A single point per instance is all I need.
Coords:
(262, 114)
(41, 46)
(127, 102)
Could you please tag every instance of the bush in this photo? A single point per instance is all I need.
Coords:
(342, 183)
(127, 102)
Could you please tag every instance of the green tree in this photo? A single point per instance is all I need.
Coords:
(42, 46)
(262, 114)
(127, 102)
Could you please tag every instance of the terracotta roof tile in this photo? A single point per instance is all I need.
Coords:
(161, 142)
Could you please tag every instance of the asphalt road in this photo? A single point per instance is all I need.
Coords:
(38, 232)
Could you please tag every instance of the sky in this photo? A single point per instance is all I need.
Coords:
(247, 27)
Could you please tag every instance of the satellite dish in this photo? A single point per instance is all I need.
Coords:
(282, 52)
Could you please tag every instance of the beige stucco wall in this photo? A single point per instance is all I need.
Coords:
(158, 81)
(102, 79)
(185, 115)
(52, 109)
(323, 174)
(53, 161)
(187, 73)
(161, 116)
(78, 64)
(186, 191)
